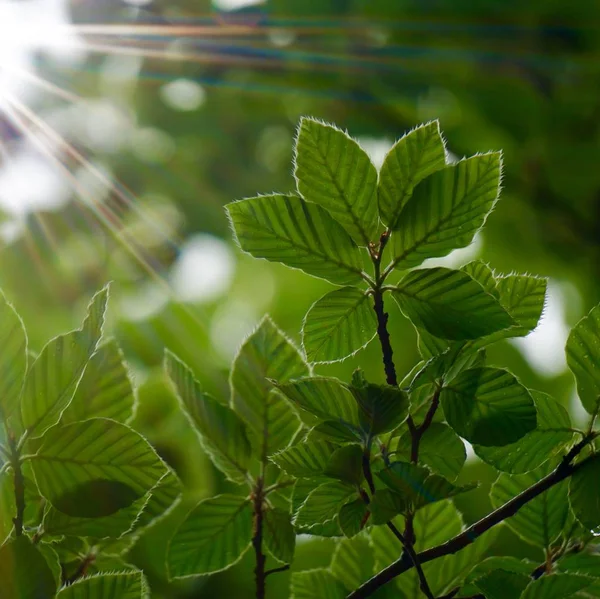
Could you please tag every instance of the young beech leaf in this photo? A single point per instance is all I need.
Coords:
(306, 459)
(108, 585)
(279, 535)
(502, 584)
(299, 234)
(317, 583)
(353, 517)
(53, 377)
(386, 505)
(219, 529)
(415, 156)
(450, 304)
(556, 586)
(584, 493)
(332, 170)
(345, 464)
(13, 357)
(222, 432)
(105, 389)
(583, 358)
(266, 354)
(76, 460)
(353, 561)
(338, 325)
(551, 436)
(541, 520)
(323, 504)
(483, 274)
(488, 406)
(446, 210)
(24, 573)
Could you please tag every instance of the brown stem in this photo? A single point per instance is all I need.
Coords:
(275, 570)
(82, 569)
(19, 481)
(565, 469)
(257, 538)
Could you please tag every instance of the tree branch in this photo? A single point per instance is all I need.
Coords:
(565, 469)
(257, 539)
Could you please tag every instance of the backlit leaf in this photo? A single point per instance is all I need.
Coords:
(279, 535)
(584, 493)
(122, 585)
(317, 583)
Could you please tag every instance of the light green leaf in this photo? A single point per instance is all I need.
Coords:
(105, 389)
(502, 584)
(327, 399)
(319, 583)
(323, 504)
(353, 562)
(305, 459)
(449, 304)
(541, 520)
(440, 449)
(488, 406)
(446, 210)
(556, 586)
(299, 234)
(353, 517)
(583, 358)
(302, 489)
(483, 274)
(266, 354)
(53, 377)
(13, 357)
(221, 431)
(415, 156)
(332, 170)
(584, 493)
(536, 447)
(219, 529)
(338, 325)
(123, 585)
(24, 573)
(95, 467)
(279, 535)
(163, 498)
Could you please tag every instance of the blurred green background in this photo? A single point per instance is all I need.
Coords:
(121, 145)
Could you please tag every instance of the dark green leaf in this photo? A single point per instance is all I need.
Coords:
(323, 504)
(305, 459)
(300, 234)
(122, 585)
(353, 517)
(418, 154)
(332, 170)
(450, 304)
(488, 406)
(446, 210)
(584, 493)
(345, 464)
(219, 529)
(7, 504)
(556, 586)
(163, 498)
(386, 505)
(338, 325)
(279, 535)
(502, 584)
(319, 583)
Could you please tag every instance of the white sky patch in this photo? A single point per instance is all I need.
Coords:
(544, 349)
(235, 4)
(144, 303)
(233, 321)
(376, 149)
(204, 269)
(184, 95)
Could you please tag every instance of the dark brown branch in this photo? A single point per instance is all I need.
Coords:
(257, 539)
(275, 570)
(82, 569)
(19, 482)
(565, 469)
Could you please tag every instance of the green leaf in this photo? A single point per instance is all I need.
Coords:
(219, 529)
(105, 389)
(323, 504)
(345, 464)
(338, 325)
(163, 498)
(584, 493)
(279, 535)
(305, 459)
(483, 274)
(386, 505)
(415, 156)
(353, 517)
(221, 431)
(489, 407)
(327, 399)
(502, 584)
(13, 357)
(8, 508)
(583, 358)
(550, 437)
(446, 210)
(440, 449)
(53, 377)
(319, 583)
(266, 354)
(506, 563)
(332, 170)
(352, 562)
(123, 585)
(299, 234)
(449, 304)
(24, 573)
(556, 586)
(541, 520)
(94, 468)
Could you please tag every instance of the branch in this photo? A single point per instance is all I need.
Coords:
(15, 462)
(275, 570)
(462, 540)
(257, 539)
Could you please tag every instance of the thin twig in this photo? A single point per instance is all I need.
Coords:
(275, 570)
(19, 482)
(257, 538)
